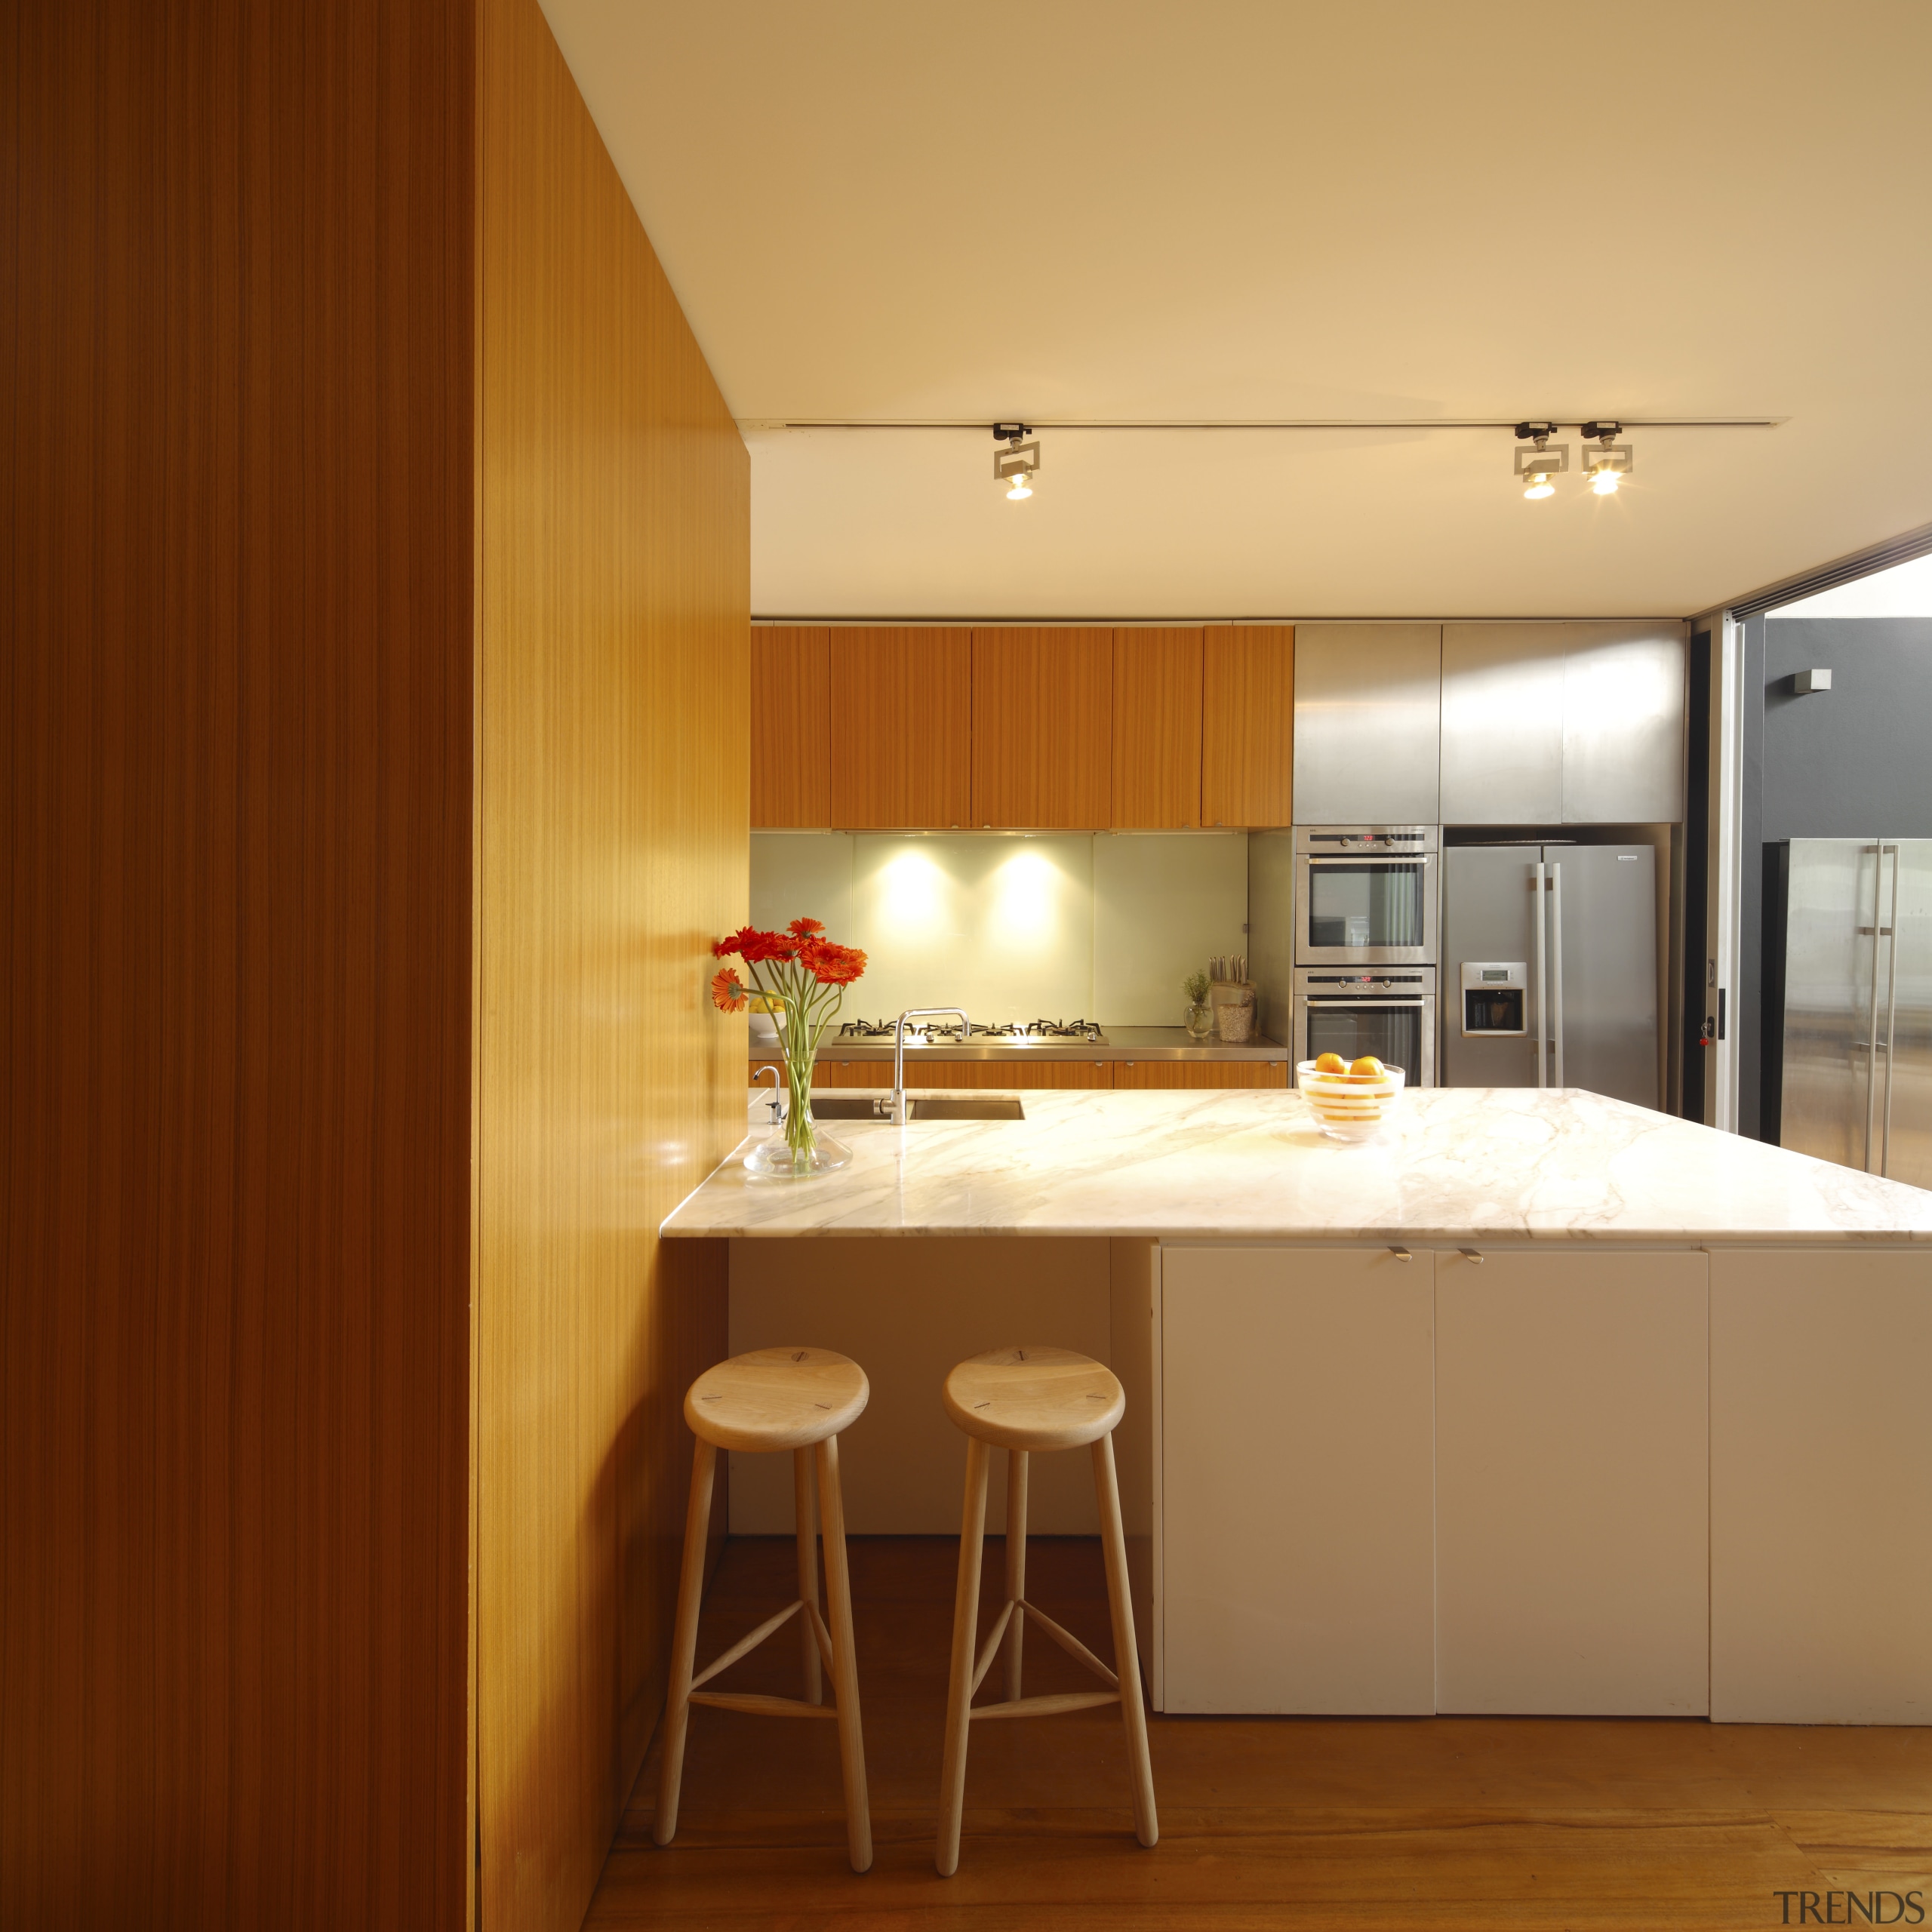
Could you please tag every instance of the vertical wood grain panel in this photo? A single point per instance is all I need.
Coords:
(233, 1310)
(614, 730)
(902, 714)
(1157, 729)
(1131, 1073)
(1248, 724)
(1042, 732)
(791, 701)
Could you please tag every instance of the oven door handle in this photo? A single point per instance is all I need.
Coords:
(1372, 859)
(1371, 999)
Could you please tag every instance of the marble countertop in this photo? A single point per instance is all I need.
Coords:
(1462, 1164)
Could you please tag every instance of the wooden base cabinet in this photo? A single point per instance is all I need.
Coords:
(1821, 1487)
(1571, 1487)
(1296, 1469)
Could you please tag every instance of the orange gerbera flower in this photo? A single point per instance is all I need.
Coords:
(727, 991)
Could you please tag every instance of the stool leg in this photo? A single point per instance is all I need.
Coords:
(844, 1662)
(1126, 1658)
(801, 1504)
(1015, 1566)
(684, 1642)
(965, 1635)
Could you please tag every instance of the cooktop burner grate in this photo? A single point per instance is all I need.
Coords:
(1031, 1032)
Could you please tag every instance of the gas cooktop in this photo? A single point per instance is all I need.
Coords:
(1009, 1033)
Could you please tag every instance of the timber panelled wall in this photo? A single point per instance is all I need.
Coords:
(615, 721)
(374, 722)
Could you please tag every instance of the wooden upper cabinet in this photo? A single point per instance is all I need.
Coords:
(791, 726)
(1248, 724)
(1157, 730)
(902, 728)
(1042, 728)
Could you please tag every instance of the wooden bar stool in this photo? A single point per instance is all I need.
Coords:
(772, 1399)
(1021, 1400)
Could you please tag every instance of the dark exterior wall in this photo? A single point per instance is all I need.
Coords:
(1850, 763)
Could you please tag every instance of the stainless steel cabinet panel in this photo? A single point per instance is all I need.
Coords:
(1368, 722)
(1623, 723)
(1502, 724)
(1576, 723)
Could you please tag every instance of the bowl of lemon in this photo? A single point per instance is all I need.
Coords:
(1350, 1100)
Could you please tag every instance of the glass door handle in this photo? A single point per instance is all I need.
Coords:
(1872, 1021)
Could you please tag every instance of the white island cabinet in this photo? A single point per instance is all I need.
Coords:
(1402, 1481)
(1298, 1466)
(1665, 1449)
(1571, 1483)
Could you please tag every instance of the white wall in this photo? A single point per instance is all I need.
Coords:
(1102, 926)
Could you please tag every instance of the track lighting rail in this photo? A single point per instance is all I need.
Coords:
(1060, 424)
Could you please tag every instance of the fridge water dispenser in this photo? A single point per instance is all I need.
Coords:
(1494, 994)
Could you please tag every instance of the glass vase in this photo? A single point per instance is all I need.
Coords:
(799, 1147)
(1200, 1021)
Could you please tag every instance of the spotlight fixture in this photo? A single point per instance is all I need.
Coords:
(1536, 466)
(1017, 462)
(1610, 462)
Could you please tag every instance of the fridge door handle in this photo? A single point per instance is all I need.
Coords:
(1543, 1004)
(1891, 1006)
(1556, 967)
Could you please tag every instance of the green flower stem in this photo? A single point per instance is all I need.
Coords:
(800, 997)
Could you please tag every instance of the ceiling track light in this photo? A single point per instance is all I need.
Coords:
(1017, 462)
(1536, 466)
(1606, 466)
(1610, 462)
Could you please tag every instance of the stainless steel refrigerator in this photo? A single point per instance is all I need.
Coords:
(1549, 968)
(1855, 1075)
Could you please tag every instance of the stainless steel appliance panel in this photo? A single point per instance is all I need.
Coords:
(1502, 724)
(1368, 722)
(1359, 903)
(1907, 1110)
(1603, 969)
(1830, 985)
(1489, 913)
(1390, 1014)
(1623, 713)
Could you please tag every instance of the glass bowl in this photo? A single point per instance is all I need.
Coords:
(1348, 1107)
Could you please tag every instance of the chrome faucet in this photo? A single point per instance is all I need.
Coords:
(958, 1013)
(777, 1089)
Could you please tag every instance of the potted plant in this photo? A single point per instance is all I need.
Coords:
(1200, 1014)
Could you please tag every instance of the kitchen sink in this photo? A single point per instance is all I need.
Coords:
(968, 1106)
(925, 1106)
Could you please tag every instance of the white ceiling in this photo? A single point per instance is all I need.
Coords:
(1380, 208)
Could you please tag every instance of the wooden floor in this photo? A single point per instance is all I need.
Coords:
(1285, 1822)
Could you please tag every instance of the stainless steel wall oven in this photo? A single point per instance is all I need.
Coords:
(1390, 1012)
(1366, 895)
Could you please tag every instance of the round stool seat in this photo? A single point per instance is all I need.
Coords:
(1034, 1399)
(777, 1398)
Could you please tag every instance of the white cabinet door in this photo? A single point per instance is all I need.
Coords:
(1572, 1525)
(1296, 1487)
(1821, 1487)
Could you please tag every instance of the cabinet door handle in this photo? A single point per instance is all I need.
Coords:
(1401, 1254)
(1471, 1254)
